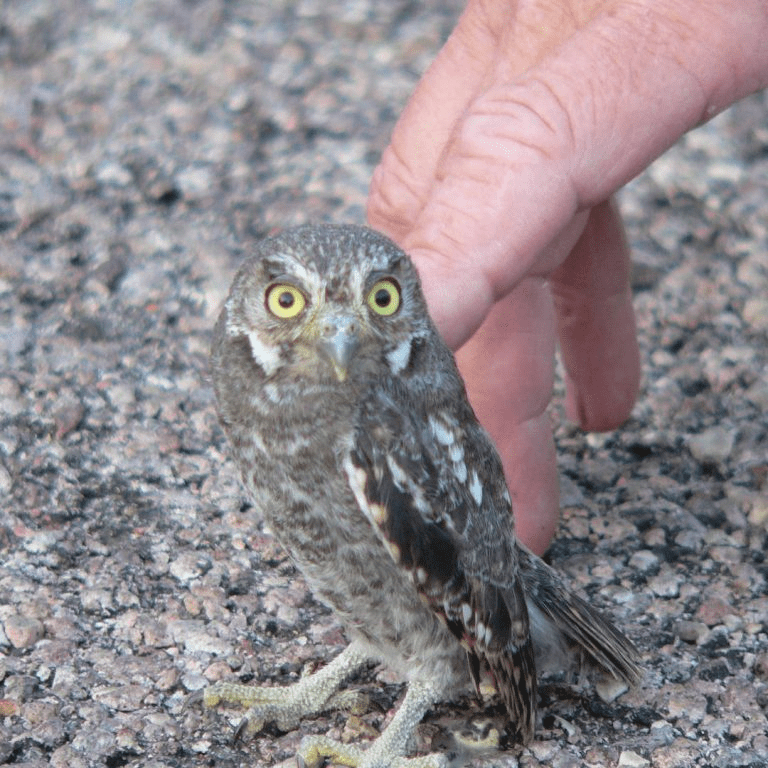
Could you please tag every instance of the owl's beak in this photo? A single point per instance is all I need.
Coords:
(338, 345)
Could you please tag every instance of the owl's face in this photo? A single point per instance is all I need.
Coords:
(329, 304)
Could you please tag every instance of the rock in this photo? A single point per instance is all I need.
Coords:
(713, 446)
(124, 698)
(681, 752)
(713, 610)
(23, 632)
(691, 631)
(610, 688)
(755, 313)
(665, 584)
(630, 759)
(644, 561)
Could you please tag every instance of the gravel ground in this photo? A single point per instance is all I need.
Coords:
(143, 146)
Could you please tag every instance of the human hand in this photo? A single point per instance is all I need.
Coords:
(498, 181)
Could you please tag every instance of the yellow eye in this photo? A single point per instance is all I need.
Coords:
(384, 297)
(285, 301)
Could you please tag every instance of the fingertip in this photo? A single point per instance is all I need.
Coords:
(603, 368)
(458, 299)
(596, 324)
(607, 404)
(530, 467)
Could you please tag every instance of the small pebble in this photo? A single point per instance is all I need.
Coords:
(713, 446)
(630, 759)
(22, 631)
(691, 631)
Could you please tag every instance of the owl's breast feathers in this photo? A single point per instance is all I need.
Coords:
(443, 522)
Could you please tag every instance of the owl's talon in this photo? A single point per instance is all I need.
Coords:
(285, 707)
(193, 700)
(387, 750)
(354, 702)
(240, 730)
(477, 738)
(315, 751)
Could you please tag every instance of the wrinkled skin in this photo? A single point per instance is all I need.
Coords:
(498, 181)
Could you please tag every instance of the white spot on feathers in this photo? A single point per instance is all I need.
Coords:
(398, 358)
(266, 357)
(442, 434)
(398, 474)
(476, 489)
(357, 479)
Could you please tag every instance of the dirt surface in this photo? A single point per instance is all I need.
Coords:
(143, 147)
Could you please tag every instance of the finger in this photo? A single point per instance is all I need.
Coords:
(503, 195)
(493, 42)
(530, 468)
(596, 323)
(508, 369)
(531, 153)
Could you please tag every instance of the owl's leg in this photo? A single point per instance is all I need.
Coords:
(285, 707)
(388, 750)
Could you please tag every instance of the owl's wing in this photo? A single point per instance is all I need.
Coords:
(436, 497)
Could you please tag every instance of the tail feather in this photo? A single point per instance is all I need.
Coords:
(514, 673)
(495, 630)
(577, 621)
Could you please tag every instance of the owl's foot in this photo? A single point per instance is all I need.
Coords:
(316, 751)
(479, 737)
(285, 707)
(388, 750)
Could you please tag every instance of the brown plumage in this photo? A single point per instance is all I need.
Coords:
(351, 427)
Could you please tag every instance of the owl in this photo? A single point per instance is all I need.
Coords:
(351, 428)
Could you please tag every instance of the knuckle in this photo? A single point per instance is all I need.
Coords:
(395, 198)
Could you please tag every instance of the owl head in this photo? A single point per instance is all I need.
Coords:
(328, 304)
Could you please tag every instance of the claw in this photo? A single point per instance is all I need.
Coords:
(319, 692)
(193, 700)
(315, 750)
(354, 702)
(239, 732)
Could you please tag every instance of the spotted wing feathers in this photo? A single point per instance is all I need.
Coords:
(400, 492)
